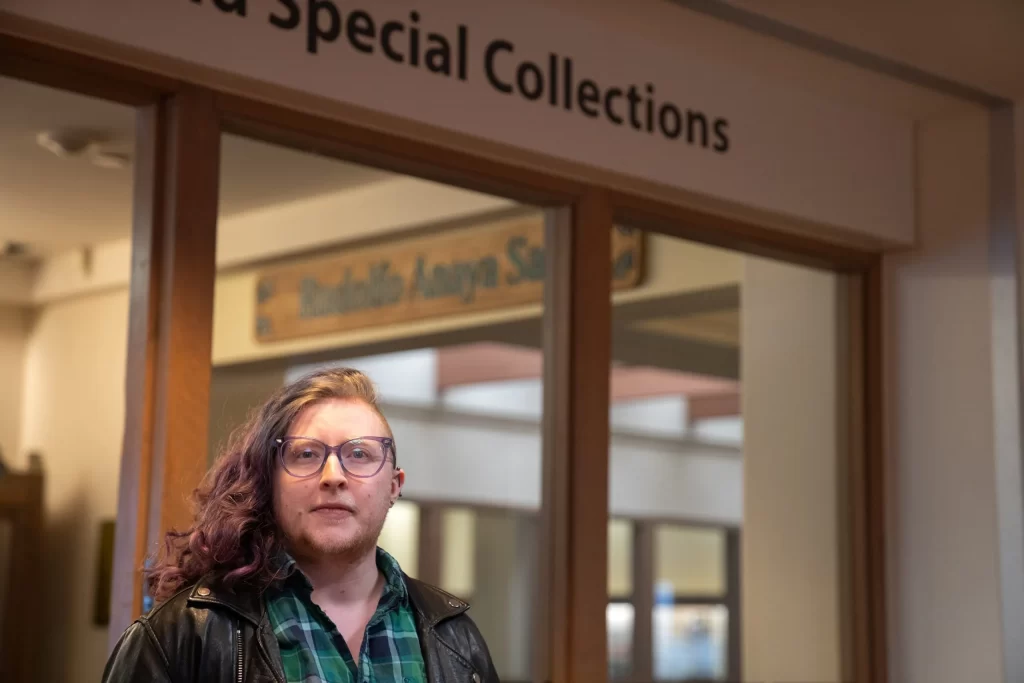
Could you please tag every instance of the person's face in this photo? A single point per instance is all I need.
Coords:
(333, 513)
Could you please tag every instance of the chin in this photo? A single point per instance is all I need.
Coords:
(336, 542)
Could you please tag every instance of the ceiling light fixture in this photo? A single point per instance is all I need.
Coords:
(68, 144)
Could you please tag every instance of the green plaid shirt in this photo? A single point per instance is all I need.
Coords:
(312, 649)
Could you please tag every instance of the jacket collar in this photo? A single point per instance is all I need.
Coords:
(432, 605)
(246, 602)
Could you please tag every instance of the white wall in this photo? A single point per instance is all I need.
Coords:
(792, 626)
(14, 325)
(73, 415)
(943, 551)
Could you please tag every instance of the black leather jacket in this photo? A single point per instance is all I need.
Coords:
(204, 635)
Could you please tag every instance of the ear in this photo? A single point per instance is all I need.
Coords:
(397, 483)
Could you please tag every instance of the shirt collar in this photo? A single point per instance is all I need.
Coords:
(394, 578)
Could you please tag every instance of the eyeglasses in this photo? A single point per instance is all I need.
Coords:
(361, 457)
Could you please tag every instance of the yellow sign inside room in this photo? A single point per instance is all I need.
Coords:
(473, 270)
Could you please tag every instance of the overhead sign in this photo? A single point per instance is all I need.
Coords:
(450, 51)
(652, 100)
(466, 271)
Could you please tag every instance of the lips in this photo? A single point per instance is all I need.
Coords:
(329, 507)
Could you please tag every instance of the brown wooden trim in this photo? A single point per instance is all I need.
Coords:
(700, 226)
(354, 144)
(170, 334)
(643, 601)
(850, 482)
(66, 70)
(576, 391)
(185, 335)
(143, 323)
(734, 603)
(874, 497)
(862, 444)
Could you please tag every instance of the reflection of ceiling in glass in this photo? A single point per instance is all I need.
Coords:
(41, 159)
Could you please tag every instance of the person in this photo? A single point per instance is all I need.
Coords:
(280, 577)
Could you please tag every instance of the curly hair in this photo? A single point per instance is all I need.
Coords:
(234, 538)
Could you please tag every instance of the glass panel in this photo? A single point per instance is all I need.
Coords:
(458, 551)
(689, 560)
(504, 579)
(726, 438)
(401, 536)
(690, 642)
(620, 558)
(436, 294)
(619, 617)
(66, 186)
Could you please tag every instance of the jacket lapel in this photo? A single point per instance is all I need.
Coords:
(248, 604)
(431, 607)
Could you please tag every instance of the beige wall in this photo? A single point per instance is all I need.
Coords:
(14, 325)
(73, 415)
(790, 544)
(943, 550)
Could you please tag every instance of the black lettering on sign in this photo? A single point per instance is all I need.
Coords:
(445, 50)
(386, 45)
(527, 262)
(493, 49)
(722, 139)
(319, 12)
(238, 7)
(696, 117)
(588, 94)
(292, 20)
(439, 55)
(360, 27)
(414, 39)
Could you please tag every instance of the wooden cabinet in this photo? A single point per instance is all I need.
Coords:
(21, 638)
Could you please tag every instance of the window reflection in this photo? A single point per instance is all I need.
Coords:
(619, 617)
(690, 642)
(458, 551)
(690, 560)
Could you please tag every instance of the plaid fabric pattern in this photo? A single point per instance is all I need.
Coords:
(312, 649)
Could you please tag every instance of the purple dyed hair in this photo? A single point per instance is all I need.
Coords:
(234, 538)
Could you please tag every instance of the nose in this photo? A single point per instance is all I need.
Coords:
(333, 475)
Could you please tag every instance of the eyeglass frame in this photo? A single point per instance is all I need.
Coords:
(386, 441)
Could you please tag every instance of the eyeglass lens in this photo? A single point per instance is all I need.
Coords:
(360, 457)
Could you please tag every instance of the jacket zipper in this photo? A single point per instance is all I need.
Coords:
(238, 634)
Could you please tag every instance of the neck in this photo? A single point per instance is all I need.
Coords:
(343, 579)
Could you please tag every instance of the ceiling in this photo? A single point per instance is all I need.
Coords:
(976, 43)
(53, 203)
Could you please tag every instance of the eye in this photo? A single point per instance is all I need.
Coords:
(360, 454)
(305, 454)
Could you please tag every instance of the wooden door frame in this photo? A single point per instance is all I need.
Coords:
(166, 309)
